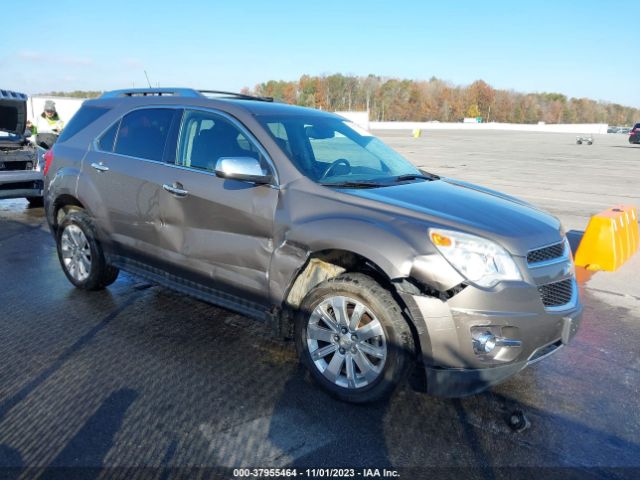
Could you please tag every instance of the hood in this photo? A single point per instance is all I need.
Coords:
(515, 224)
(13, 112)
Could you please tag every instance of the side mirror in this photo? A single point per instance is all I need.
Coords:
(246, 169)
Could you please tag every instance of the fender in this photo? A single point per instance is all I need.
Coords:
(363, 237)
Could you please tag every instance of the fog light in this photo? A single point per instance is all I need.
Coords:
(484, 343)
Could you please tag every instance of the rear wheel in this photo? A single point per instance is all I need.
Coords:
(81, 255)
(351, 335)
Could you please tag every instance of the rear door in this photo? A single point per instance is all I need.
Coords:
(221, 230)
(126, 170)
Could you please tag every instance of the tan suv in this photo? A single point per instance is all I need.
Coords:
(302, 219)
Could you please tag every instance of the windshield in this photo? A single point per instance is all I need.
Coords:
(335, 151)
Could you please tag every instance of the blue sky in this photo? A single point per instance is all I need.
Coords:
(582, 49)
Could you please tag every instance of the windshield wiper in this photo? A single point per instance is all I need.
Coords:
(415, 176)
(362, 184)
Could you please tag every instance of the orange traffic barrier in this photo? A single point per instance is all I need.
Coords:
(611, 238)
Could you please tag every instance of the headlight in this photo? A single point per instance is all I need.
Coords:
(481, 261)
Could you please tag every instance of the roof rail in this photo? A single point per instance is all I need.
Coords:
(242, 96)
(152, 92)
(179, 92)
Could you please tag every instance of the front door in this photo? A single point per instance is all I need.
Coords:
(219, 230)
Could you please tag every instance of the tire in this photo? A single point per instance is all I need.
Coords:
(81, 255)
(35, 201)
(368, 369)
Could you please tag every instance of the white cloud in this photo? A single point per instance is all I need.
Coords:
(31, 56)
(42, 58)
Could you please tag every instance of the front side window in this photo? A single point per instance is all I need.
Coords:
(143, 133)
(331, 150)
(206, 137)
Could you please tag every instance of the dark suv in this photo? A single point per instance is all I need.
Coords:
(302, 219)
(20, 174)
(634, 134)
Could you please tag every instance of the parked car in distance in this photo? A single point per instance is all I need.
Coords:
(634, 134)
(302, 219)
(624, 130)
(20, 174)
(613, 129)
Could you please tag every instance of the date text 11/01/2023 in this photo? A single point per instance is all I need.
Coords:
(315, 472)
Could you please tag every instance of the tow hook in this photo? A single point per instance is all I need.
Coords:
(518, 421)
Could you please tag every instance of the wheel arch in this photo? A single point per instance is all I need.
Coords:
(325, 264)
(62, 205)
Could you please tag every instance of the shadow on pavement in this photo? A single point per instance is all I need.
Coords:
(90, 445)
(19, 396)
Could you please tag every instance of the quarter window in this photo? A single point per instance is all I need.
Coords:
(106, 140)
(143, 133)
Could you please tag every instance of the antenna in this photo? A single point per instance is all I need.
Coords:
(145, 74)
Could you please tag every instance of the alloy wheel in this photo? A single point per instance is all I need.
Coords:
(76, 253)
(346, 342)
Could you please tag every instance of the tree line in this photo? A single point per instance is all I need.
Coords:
(393, 99)
(74, 94)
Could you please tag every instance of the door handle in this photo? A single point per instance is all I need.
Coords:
(101, 167)
(176, 190)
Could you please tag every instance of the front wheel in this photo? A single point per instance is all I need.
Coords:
(81, 254)
(352, 337)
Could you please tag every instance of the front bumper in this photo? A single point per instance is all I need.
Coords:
(21, 183)
(513, 310)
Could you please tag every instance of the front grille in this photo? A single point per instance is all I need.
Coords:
(546, 253)
(556, 294)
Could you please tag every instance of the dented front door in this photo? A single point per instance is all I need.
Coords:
(219, 231)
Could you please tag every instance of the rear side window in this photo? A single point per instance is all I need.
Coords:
(83, 118)
(143, 133)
